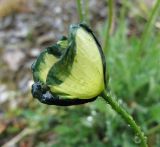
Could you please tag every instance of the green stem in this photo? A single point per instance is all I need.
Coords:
(80, 11)
(126, 116)
(149, 25)
(109, 25)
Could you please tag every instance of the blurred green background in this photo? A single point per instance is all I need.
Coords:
(129, 32)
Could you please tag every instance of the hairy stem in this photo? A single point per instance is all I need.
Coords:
(126, 116)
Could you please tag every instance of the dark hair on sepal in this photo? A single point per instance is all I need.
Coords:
(49, 99)
(43, 94)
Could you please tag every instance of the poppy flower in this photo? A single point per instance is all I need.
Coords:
(71, 71)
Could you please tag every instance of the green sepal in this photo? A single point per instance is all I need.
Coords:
(62, 68)
(57, 74)
(84, 25)
(58, 49)
(37, 67)
(50, 53)
(65, 52)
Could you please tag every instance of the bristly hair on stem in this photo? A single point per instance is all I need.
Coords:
(126, 116)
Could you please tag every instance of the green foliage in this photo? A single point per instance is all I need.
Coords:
(135, 81)
(154, 112)
(133, 76)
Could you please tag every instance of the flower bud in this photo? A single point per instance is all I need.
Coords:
(72, 71)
